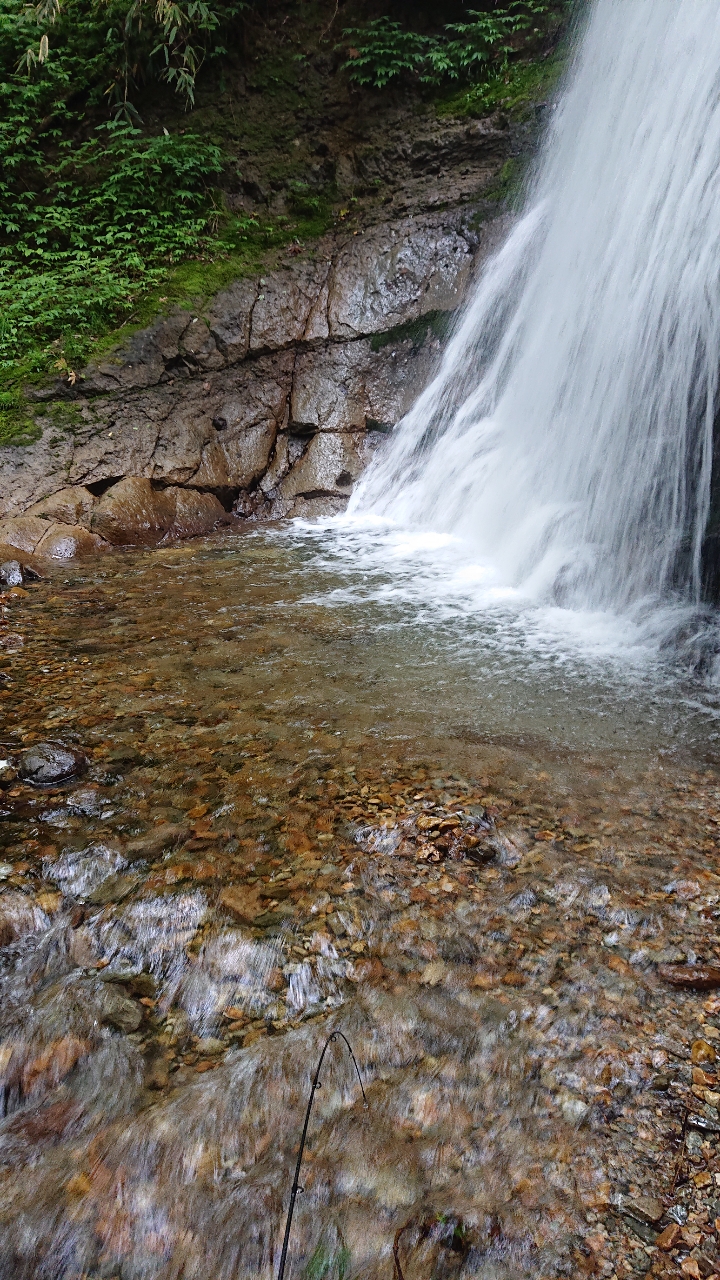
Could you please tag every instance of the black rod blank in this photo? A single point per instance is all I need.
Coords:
(296, 1188)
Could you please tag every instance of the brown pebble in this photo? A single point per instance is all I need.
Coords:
(669, 1237)
(514, 979)
(701, 1051)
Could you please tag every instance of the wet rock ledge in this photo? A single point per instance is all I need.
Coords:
(266, 403)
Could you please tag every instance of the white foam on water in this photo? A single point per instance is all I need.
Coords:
(559, 464)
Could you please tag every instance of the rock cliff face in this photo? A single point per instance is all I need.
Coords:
(266, 402)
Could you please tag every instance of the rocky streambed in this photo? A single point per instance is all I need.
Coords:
(229, 825)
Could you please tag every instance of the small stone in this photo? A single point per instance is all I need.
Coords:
(642, 1230)
(241, 901)
(689, 1267)
(702, 1179)
(701, 1051)
(514, 978)
(433, 973)
(254, 1035)
(669, 1237)
(8, 775)
(49, 902)
(210, 1045)
(646, 1208)
(157, 1075)
(78, 1186)
(118, 1010)
(660, 1083)
(50, 762)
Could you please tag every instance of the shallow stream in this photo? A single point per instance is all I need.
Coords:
(334, 781)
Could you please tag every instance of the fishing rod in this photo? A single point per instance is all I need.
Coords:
(296, 1188)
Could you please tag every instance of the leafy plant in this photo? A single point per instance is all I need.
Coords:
(92, 216)
(383, 51)
(114, 212)
(128, 41)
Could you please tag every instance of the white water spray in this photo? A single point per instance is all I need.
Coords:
(568, 435)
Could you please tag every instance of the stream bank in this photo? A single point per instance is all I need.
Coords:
(267, 397)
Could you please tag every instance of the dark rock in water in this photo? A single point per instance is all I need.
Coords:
(693, 977)
(11, 574)
(660, 1083)
(118, 1010)
(49, 762)
(138, 984)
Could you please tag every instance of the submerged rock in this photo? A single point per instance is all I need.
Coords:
(118, 1010)
(49, 762)
(48, 538)
(11, 573)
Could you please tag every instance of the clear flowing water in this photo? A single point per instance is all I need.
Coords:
(319, 796)
(567, 439)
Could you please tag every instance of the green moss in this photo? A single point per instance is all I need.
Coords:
(65, 415)
(436, 323)
(17, 426)
(508, 186)
(518, 93)
(192, 283)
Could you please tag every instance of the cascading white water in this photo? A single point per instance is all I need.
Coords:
(568, 435)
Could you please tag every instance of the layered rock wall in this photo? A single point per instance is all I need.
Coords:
(266, 402)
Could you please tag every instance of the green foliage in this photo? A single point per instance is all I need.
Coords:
(383, 51)
(111, 214)
(93, 216)
(327, 1263)
(108, 48)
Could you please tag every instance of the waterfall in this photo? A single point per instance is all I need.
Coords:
(568, 435)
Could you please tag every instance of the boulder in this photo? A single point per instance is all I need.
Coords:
(46, 763)
(72, 505)
(23, 532)
(132, 513)
(63, 541)
(238, 457)
(31, 567)
(195, 513)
